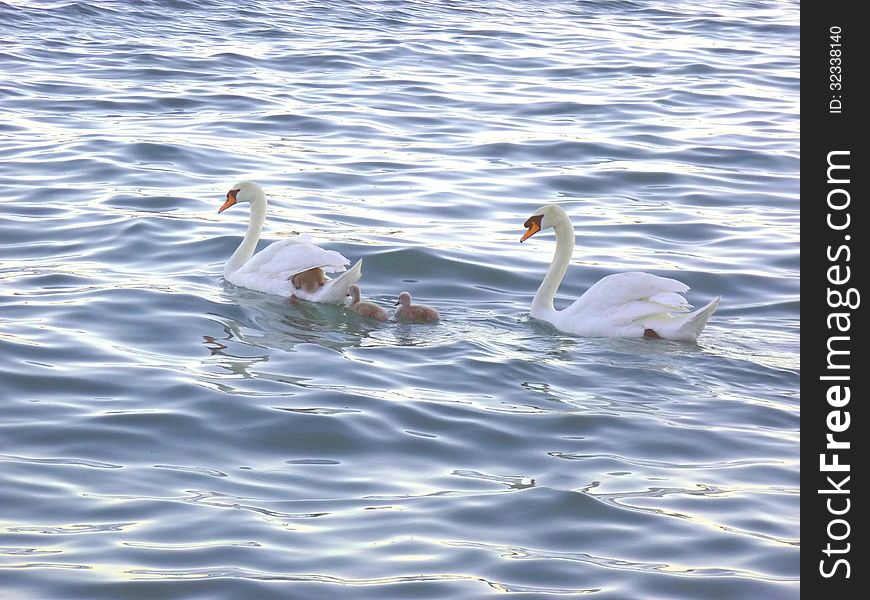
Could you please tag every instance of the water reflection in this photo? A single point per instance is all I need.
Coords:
(291, 439)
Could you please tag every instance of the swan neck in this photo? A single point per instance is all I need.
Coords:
(252, 235)
(543, 301)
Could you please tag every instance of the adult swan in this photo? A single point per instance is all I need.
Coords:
(272, 270)
(621, 305)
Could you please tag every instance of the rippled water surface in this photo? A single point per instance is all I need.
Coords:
(164, 434)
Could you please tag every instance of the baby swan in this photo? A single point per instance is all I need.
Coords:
(310, 280)
(418, 313)
(365, 309)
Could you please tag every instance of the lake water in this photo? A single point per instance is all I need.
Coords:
(164, 434)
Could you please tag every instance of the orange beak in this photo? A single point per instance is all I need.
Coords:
(231, 199)
(534, 227)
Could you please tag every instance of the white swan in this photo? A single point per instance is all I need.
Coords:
(622, 305)
(271, 270)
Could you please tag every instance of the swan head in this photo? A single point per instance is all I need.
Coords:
(354, 292)
(244, 191)
(546, 217)
(404, 299)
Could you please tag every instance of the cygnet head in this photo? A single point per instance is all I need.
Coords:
(404, 299)
(244, 191)
(545, 217)
(354, 292)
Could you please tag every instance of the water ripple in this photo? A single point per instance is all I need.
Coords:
(167, 434)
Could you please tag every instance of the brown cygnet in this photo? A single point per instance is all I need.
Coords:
(418, 313)
(309, 280)
(365, 309)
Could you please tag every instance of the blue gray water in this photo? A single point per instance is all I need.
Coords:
(164, 434)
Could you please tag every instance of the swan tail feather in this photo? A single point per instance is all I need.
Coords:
(687, 328)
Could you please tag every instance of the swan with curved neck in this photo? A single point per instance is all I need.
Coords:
(633, 304)
(272, 270)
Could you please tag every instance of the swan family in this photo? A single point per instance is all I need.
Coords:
(632, 304)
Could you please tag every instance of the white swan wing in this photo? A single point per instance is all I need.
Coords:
(270, 270)
(631, 295)
(627, 304)
(618, 305)
(289, 257)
